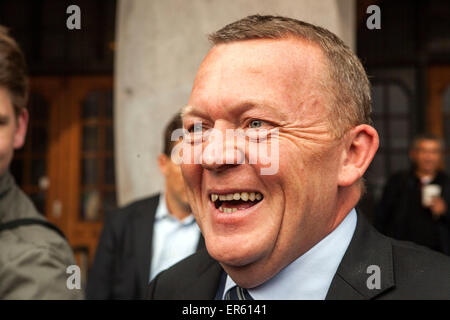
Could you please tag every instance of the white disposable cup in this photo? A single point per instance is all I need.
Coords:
(429, 192)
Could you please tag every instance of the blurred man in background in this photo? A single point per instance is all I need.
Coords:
(145, 237)
(34, 255)
(415, 202)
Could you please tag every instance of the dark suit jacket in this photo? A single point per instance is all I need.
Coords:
(400, 213)
(122, 261)
(407, 271)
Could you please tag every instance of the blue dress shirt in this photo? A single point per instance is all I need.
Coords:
(173, 240)
(309, 276)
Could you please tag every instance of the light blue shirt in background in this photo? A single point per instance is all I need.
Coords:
(173, 240)
(309, 277)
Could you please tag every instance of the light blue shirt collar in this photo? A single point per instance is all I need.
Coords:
(162, 212)
(309, 276)
(172, 240)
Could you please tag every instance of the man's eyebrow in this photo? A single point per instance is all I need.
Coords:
(246, 105)
(264, 105)
(186, 110)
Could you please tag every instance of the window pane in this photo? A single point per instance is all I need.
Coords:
(377, 167)
(377, 99)
(399, 161)
(39, 140)
(399, 131)
(109, 147)
(446, 101)
(376, 175)
(109, 171)
(90, 205)
(91, 106)
(109, 104)
(447, 129)
(90, 138)
(379, 126)
(89, 172)
(447, 160)
(398, 101)
(38, 170)
(38, 107)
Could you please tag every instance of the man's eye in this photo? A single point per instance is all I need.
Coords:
(196, 127)
(254, 124)
(4, 120)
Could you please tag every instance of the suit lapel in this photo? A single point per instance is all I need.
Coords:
(204, 285)
(142, 228)
(368, 256)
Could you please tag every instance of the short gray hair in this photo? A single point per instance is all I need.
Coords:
(348, 87)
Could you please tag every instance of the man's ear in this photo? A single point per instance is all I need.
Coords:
(360, 146)
(21, 129)
(162, 163)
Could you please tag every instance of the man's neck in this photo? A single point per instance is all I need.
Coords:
(176, 208)
(425, 174)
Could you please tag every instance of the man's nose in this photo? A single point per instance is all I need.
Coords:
(222, 149)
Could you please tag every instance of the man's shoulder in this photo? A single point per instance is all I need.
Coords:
(30, 237)
(379, 267)
(34, 257)
(33, 264)
(420, 272)
(195, 277)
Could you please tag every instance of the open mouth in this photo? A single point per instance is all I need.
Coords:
(232, 202)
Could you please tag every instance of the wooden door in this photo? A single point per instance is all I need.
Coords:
(67, 163)
(438, 111)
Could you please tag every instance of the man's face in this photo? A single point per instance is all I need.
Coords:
(427, 156)
(12, 130)
(276, 83)
(173, 179)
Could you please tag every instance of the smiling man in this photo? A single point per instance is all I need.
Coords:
(292, 234)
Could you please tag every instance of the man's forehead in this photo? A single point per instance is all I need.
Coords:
(6, 108)
(428, 143)
(266, 46)
(259, 54)
(283, 69)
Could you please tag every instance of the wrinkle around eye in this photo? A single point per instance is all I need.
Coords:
(310, 137)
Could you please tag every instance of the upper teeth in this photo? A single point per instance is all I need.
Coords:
(245, 196)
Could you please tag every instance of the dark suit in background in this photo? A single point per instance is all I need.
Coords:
(407, 271)
(122, 263)
(400, 213)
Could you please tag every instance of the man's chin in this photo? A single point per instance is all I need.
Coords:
(232, 256)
